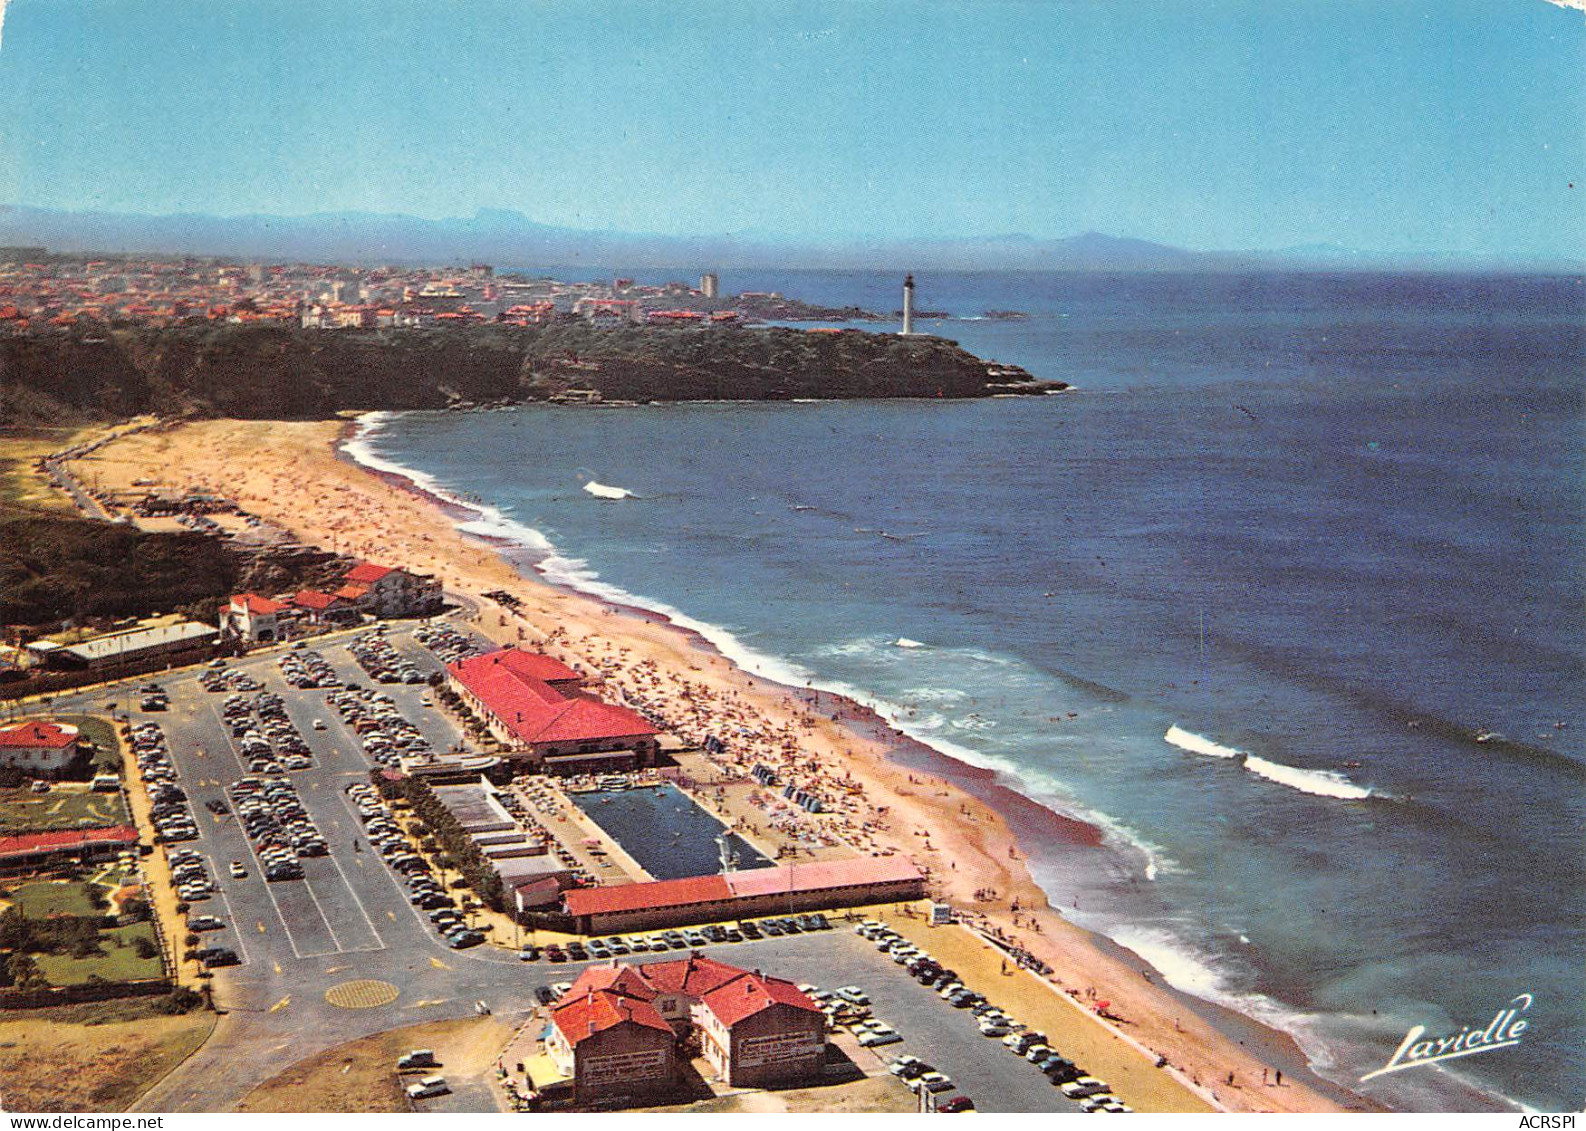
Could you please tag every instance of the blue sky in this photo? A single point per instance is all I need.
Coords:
(1385, 125)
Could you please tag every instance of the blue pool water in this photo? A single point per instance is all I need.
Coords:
(662, 828)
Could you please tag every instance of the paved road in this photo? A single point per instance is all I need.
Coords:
(348, 919)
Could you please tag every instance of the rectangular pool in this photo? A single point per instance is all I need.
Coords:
(662, 828)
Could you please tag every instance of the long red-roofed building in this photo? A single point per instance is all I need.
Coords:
(28, 852)
(535, 705)
(855, 882)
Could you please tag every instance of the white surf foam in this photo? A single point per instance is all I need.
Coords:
(1195, 744)
(905, 642)
(1321, 783)
(601, 491)
(1200, 974)
(1318, 783)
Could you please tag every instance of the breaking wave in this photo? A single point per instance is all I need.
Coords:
(1318, 783)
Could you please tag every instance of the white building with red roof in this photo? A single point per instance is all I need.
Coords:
(607, 1036)
(536, 706)
(253, 618)
(619, 1029)
(391, 592)
(39, 747)
(757, 1031)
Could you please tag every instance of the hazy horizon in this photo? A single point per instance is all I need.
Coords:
(1408, 130)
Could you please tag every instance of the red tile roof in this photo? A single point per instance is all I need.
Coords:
(533, 665)
(313, 599)
(636, 897)
(823, 874)
(693, 976)
(366, 573)
(70, 839)
(858, 871)
(256, 604)
(583, 1017)
(623, 980)
(536, 712)
(749, 994)
(43, 735)
(352, 592)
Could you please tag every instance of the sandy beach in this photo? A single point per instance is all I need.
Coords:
(950, 819)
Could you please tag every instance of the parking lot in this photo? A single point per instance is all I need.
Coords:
(349, 918)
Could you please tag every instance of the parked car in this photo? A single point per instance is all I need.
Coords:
(1084, 1086)
(427, 1087)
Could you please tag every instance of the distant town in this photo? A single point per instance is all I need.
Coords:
(39, 289)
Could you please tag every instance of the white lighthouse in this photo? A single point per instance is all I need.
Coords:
(908, 304)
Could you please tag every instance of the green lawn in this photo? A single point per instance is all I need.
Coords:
(64, 807)
(118, 963)
(39, 900)
(107, 754)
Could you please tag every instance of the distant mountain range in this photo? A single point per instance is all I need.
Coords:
(509, 238)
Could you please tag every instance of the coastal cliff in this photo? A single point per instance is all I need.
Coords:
(285, 373)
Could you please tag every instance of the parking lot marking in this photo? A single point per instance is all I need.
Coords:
(279, 914)
(231, 918)
(326, 918)
(365, 993)
(364, 911)
(277, 966)
(282, 1004)
(225, 732)
(438, 964)
(390, 875)
(260, 925)
(391, 915)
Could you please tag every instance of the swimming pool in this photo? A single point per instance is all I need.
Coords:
(665, 831)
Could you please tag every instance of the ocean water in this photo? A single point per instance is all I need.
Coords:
(1247, 599)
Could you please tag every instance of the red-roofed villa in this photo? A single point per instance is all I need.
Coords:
(252, 618)
(619, 1029)
(39, 747)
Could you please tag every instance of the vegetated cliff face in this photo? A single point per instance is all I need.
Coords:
(284, 373)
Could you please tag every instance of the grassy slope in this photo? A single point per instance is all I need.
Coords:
(92, 1058)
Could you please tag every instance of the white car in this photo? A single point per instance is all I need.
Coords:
(1083, 1087)
(427, 1087)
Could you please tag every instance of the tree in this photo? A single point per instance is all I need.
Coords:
(144, 947)
(25, 972)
